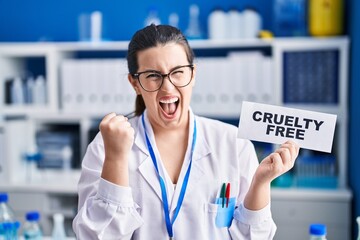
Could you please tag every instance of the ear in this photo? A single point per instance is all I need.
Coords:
(194, 76)
(134, 83)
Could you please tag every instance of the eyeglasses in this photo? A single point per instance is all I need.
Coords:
(152, 80)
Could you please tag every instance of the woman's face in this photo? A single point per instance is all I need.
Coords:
(169, 106)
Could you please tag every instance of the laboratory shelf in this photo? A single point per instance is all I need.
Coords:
(49, 181)
(314, 194)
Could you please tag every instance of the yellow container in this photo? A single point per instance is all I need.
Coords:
(325, 17)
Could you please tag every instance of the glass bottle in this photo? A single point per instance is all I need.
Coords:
(58, 232)
(8, 224)
(32, 229)
(317, 232)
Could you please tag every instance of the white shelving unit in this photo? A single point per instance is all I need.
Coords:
(13, 63)
(57, 189)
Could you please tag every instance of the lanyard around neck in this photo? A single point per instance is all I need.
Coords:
(169, 224)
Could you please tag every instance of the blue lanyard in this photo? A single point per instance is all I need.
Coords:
(169, 224)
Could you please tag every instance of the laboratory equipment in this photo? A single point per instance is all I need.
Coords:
(58, 232)
(17, 91)
(32, 229)
(317, 231)
(194, 29)
(325, 17)
(8, 224)
(252, 23)
(39, 90)
(217, 22)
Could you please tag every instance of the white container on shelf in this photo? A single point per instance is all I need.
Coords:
(17, 91)
(96, 26)
(39, 91)
(252, 23)
(235, 26)
(29, 89)
(217, 22)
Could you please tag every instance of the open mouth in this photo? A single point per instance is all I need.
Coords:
(169, 105)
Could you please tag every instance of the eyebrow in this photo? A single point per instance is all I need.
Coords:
(156, 71)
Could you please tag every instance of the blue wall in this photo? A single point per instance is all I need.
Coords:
(354, 100)
(58, 20)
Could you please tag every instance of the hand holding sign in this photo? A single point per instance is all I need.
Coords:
(274, 165)
(273, 124)
(278, 162)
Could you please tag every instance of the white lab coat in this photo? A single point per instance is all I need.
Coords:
(108, 211)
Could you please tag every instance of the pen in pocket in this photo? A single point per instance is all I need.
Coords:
(225, 194)
(222, 194)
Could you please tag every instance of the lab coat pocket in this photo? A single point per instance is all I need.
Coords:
(223, 214)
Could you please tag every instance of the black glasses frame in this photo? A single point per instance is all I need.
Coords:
(137, 76)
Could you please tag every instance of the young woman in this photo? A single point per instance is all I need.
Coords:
(168, 173)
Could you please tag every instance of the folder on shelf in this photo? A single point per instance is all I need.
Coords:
(126, 89)
(96, 86)
(267, 81)
(198, 96)
(80, 86)
(205, 95)
(67, 77)
(104, 85)
(91, 89)
(212, 90)
(238, 88)
(251, 78)
(224, 89)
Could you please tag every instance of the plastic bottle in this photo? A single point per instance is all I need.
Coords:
(325, 17)
(17, 91)
(39, 94)
(8, 224)
(58, 232)
(29, 90)
(252, 23)
(32, 229)
(96, 26)
(217, 22)
(235, 24)
(317, 232)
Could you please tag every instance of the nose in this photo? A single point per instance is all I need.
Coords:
(167, 84)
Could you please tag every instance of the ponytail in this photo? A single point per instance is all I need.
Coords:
(139, 105)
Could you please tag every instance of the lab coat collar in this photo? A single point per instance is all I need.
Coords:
(139, 137)
(147, 169)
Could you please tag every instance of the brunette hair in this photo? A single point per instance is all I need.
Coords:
(148, 37)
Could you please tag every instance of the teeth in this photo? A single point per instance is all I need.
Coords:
(170, 100)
